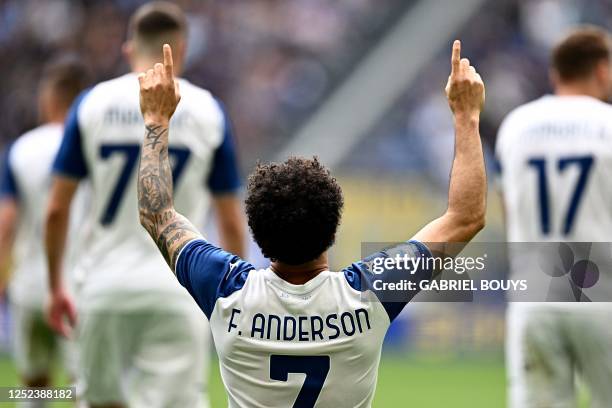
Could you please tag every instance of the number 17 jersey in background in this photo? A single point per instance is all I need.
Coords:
(102, 141)
(555, 157)
(556, 171)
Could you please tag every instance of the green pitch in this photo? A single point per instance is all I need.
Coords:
(401, 383)
(469, 383)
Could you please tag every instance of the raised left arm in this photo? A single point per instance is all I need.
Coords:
(159, 96)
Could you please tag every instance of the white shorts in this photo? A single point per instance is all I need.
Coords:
(143, 358)
(548, 346)
(36, 346)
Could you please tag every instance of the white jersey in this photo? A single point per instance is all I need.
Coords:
(104, 132)
(555, 156)
(27, 179)
(282, 345)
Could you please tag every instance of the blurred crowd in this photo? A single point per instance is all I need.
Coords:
(270, 61)
(509, 41)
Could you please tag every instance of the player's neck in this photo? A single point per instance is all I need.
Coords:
(144, 64)
(578, 89)
(54, 119)
(52, 111)
(300, 274)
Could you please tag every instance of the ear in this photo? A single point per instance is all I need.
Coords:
(127, 49)
(43, 104)
(553, 77)
(180, 53)
(603, 72)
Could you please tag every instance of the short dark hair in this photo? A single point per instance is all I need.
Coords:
(153, 21)
(66, 76)
(576, 56)
(293, 209)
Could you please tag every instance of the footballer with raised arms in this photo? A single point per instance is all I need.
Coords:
(272, 326)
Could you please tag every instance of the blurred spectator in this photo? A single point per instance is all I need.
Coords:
(270, 61)
(273, 61)
(509, 42)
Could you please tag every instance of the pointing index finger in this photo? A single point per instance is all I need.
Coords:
(456, 57)
(168, 64)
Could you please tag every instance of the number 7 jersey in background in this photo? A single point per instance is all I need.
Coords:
(102, 141)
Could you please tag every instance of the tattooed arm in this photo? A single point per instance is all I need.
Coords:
(159, 96)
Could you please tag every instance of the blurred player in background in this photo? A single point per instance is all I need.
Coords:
(24, 187)
(141, 337)
(556, 171)
(297, 317)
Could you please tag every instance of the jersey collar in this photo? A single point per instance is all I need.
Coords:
(307, 287)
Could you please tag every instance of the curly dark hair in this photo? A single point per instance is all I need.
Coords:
(293, 209)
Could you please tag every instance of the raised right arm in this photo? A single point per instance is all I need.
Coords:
(465, 214)
(159, 97)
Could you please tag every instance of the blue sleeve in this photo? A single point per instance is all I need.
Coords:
(497, 166)
(70, 160)
(209, 273)
(362, 275)
(8, 184)
(224, 176)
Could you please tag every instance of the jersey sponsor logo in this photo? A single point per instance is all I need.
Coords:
(302, 328)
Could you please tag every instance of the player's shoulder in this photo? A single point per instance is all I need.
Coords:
(519, 118)
(116, 86)
(44, 138)
(200, 100)
(124, 90)
(528, 110)
(96, 99)
(598, 107)
(39, 133)
(189, 88)
(554, 104)
(551, 106)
